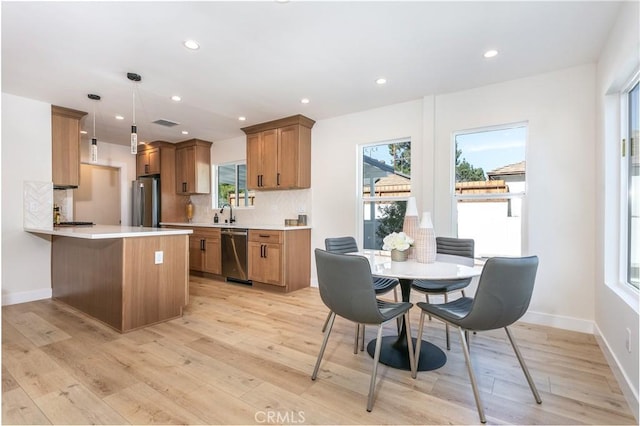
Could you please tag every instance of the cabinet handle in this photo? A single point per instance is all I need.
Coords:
(264, 246)
(264, 236)
(258, 180)
(184, 186)
(278, 179)
(261, 250)
(146, 168)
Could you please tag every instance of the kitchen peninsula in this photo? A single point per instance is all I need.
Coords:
(126, 277)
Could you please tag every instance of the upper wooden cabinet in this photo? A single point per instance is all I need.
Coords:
(148, 160)
(65, 146)
(279, 154)
(193, 167)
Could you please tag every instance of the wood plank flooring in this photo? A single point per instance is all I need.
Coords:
(243, 356)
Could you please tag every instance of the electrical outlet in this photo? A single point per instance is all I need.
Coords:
(628, 342)
(159, 257)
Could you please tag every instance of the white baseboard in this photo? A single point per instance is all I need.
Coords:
(559, 321)
(623, 380)
(26, 296)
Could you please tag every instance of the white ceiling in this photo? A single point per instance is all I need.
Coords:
(258, 59)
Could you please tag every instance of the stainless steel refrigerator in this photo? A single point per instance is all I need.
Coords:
(146, 202)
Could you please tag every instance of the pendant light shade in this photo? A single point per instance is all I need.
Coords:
(93, 149)
(134, 129)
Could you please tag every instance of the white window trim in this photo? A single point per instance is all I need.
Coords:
(522, 195)
(360, 199)
(214, 192)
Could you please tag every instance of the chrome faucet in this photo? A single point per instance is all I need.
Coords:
(231, 218)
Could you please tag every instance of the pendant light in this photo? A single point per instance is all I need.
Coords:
(134, 130)
(93, 149)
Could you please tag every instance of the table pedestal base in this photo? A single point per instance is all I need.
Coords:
(395, 354)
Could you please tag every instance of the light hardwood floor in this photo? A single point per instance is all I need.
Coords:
(242, 356)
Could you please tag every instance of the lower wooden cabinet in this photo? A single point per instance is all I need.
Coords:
(204, 249)
(280, 260)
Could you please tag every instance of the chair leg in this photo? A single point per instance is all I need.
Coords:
(362, 339)
(324, 327)
(472, 376)
(426, 297)
(412, 356)
(532, 385)
(376, 359)
(355, 343)
(446, 325)
(416, 356)
(332, 317)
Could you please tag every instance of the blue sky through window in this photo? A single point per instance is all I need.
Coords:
(492, 149)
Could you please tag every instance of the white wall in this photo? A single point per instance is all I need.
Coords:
(616, 306)
(559, 205)
(26, 156)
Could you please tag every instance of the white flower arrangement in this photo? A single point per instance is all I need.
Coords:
(397, 241)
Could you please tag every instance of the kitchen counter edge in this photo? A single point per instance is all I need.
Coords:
(98, 232)
(226, 225)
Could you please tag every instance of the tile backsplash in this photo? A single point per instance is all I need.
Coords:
(270, 208)
(37, 200)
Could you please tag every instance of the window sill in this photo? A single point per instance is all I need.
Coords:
(628, 294)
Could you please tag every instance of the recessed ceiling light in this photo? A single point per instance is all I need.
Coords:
(490, 53)
(83, 132)
(119, 117)
(381, 81)
(242, 118)
(304, 100)
(176, 98)
(184, 132)
(191, 44)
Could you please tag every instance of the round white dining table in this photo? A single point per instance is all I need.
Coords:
(394, 351)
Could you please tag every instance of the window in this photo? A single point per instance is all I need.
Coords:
(385, 186)
(232, 186)
(490, 181)
(631, 187)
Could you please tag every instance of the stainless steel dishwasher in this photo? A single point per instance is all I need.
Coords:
(234, 255)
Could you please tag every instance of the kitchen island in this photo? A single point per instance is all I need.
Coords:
(126, 277)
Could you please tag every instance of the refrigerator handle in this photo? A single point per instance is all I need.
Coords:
(142, 204)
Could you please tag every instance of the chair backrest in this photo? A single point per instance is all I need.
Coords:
(503, 294)
(464, 247)
(346, 286)
(341, 245)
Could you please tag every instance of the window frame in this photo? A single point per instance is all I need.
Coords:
(215, 195)
(521, 195)
(360, 198)
(624, 186)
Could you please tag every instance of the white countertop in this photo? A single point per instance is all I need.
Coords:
(382, 265)
(97, 232)
(235, 225)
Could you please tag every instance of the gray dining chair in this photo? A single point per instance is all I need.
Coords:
(503, 296)
(451, 250)
(346, 288)
(381, 285)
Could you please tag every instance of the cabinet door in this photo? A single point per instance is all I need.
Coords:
(212, 256)
(195, 252)
(265, 263)
(141, 163)
(65, 153)
(254, 168)
(288, 156)
(269, 158)
(153, 161)
(185, 170)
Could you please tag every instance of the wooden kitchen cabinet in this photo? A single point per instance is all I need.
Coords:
(65, 146)
(279, 154)
(204, 249)
(280, 260)
(159, 158)
(193, 167)
(148, 161)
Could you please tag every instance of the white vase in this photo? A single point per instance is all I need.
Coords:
(425, 245)
(410, 223)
